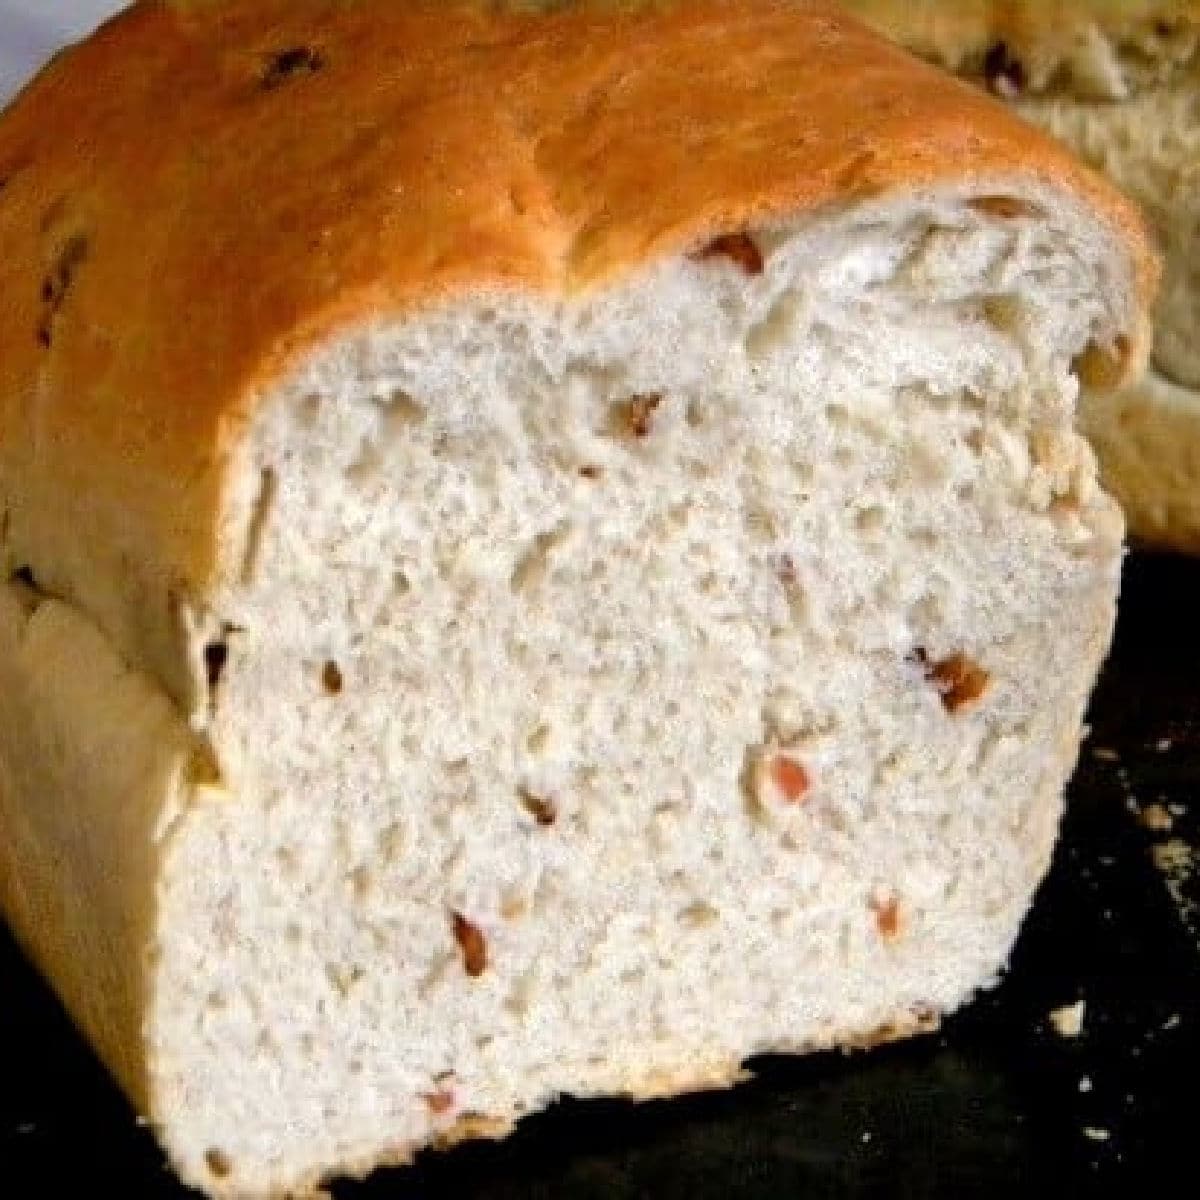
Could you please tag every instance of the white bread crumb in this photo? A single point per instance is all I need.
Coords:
(1068, 1020)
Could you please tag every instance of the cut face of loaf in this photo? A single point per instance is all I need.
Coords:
(616, 689)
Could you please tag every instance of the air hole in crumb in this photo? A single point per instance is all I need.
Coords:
(361, 882)
(698, 915)
(837, 414)
(760, 524)
(283, 65)
(263, 503)
(331, 679)
(843, 457)
(292, 933)
(695, 415)
(391, 842)
(24, 575)
(870, 520)
(342, 978)
(632, 976)
(309, 411)
(532, 566)
(401, 410)
(216, 656)
(216, 1001)
(1004, 313)
(287, 860)
(484, 1041)
(218, 1163)
(590, 471)
(538, 739)
(774, 331)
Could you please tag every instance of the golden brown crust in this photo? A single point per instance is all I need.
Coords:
(241, 179)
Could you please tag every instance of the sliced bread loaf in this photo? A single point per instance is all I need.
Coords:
(545, 552)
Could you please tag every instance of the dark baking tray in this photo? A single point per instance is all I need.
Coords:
(996, 1102)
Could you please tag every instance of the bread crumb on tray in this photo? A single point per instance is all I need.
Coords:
(1068, 1020)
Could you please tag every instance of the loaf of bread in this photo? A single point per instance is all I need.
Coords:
(1119, 82)
(545, 552)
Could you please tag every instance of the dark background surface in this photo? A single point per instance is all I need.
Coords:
(992, 1105)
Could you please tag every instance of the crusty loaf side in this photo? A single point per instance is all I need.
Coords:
(1120, 84)
(543, 577)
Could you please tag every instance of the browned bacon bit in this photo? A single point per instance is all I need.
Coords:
(440, 1102)
(473, 945)
(887, 917)
(960, 681)
(1005, 207)
(790, 778)
(542, 810)
(739, 247)
(331, 678)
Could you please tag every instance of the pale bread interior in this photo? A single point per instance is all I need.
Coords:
(536, 597)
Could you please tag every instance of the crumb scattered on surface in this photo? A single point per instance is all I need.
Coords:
(1156, 818)
(1085, 1084)
(1096, 1135)
(1162, 745)
(1177, 861)
(1177, 810)
(1173, 1021)
(1105, 754)
(866, 1137)
(1068, 1020)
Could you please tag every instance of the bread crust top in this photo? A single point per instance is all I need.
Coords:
(199, 192)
